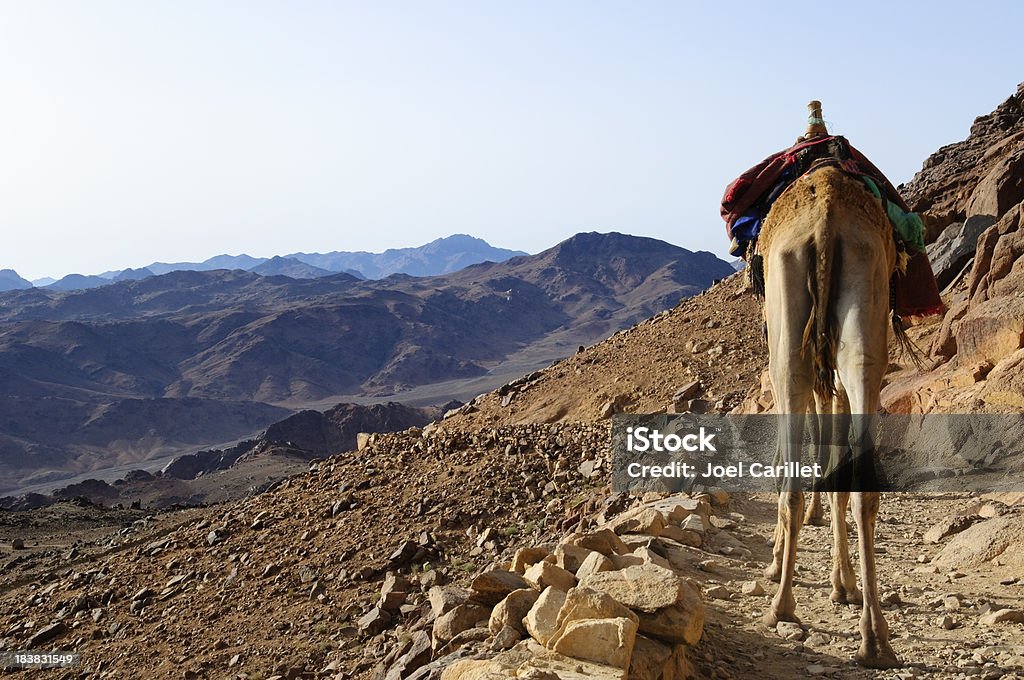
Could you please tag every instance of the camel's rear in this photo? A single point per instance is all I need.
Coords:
(828, 255)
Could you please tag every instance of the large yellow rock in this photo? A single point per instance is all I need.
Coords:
(541, 621)
(594, 564)
(471, 669)
(640, 521)
(544, 574)
(584, 603)
(646, 587)
(566, 668)
(608, 642)
(527, 557)
(512, 610)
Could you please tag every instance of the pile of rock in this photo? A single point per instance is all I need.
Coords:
(613, 601)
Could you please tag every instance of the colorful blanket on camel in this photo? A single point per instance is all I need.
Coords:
(914, 290)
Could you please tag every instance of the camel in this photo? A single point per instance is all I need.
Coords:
(828, 254)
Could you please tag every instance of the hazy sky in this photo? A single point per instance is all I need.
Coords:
(137, 131)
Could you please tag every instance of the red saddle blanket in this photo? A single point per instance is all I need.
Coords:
(915, 292)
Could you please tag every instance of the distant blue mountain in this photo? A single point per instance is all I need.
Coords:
(442, 256)
(242, 261)
(9, 280)
(78, 282)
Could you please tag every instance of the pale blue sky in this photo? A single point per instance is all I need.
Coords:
(140, 131)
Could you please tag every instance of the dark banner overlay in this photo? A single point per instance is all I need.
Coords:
(886, 452)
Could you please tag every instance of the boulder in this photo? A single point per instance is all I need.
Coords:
(649, 659)
(443, 599)
(415, 657)
(608, 642)
(584, 603)
(650, 557)
(984, 541)
(474, 669)
(544, 574)
(569, 556)
(955, 247)
(640, 521)
(594, 564)
(525, 557)
(647, 587)
(684, 536)
(491, 587)
(393, 592)
(1002, 616)
(1004, 385)
(463, 617)
(541, 622)
(991, 330)
(512, 610)
(554, 665)
(374, 621)
(1001, 188)
(949, 526)
(604, 541)
(681, 623)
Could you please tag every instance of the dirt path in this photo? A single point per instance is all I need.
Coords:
(737, 646)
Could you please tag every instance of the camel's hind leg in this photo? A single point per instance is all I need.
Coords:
(788, 303)
(815, 514)
(861, 360)
(844, 582)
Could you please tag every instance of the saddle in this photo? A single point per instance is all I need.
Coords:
(749, 197)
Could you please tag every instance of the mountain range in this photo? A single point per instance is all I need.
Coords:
(441, 256)
(148, 368)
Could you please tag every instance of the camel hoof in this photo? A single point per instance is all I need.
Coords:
(881, 658)
(816, 520)
(773, 572)
(771, 618)
(840, 596)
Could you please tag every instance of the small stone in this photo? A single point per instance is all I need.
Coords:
(789, 630)
(235, 660)
(753, 588)
(818, 640)
(815, 669)
(951, 602)
(46, 634)
(946, 622)
(891, 598)
(1003, 616)
(948, 527)
(719, 593)
(374, 621)
(143, 594)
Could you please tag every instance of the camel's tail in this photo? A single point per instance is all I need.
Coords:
(820, 333)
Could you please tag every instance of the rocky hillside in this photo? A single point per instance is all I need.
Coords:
(99, 374)
(216, 475)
